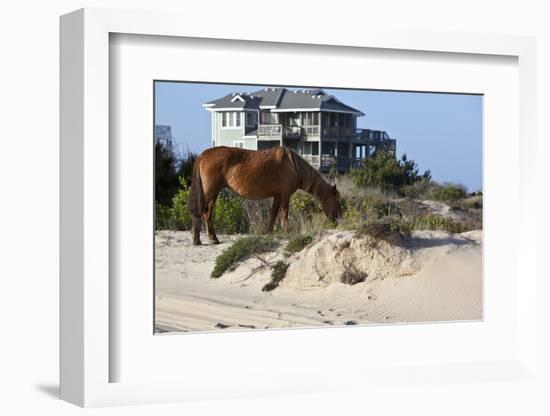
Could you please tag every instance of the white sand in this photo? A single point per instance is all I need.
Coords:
(435, 277)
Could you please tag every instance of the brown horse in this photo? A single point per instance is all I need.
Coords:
(274, 173)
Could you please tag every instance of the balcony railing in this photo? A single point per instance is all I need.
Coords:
(277, 131)
(325, 162)
(311, 130)
(292, 132)
(338, 132)
(270, 131)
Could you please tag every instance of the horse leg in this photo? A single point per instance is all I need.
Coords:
(285, 199)
(274, 212)
(196, 227)
(208, 221)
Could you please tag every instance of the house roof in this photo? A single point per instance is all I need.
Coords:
(282, 99)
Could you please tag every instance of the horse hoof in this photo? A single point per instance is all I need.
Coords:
(197, 243)
(216, 242)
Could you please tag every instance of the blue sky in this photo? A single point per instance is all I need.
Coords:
(441, 132)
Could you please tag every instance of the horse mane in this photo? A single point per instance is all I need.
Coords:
(310, 180)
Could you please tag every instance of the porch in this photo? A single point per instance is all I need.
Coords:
(288, 125)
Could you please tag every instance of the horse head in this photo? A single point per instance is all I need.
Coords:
(331, 204)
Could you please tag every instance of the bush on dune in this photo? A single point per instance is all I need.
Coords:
(229, 214)
(182, 215)
(278, 273)
(390, 229)
(297, 243)
(448, 193)
(240, 250)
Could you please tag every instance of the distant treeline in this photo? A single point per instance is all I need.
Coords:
(171, 164)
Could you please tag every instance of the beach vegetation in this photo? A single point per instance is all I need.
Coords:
(241, 250)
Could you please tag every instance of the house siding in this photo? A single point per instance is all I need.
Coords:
(251, 144)
(226, 136)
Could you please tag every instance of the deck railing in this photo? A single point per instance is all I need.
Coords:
(292, 132)
(338, 132)
(311, 130)
(325, 162)
(270, 130)
(277, 131)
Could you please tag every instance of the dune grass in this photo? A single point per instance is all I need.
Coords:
(297, 243)
(240, 250)
(278, 273)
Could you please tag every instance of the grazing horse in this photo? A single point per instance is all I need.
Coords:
(274, 173)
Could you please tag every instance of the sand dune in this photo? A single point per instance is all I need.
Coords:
(434, 276)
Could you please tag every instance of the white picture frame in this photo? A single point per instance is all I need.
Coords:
(86, 265)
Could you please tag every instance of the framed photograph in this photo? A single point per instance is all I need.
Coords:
(352, 211)
(289, 213)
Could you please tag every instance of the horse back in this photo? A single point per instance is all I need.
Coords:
(252, 174)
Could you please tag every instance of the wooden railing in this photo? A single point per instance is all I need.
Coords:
(292, 132)
(325, 162)
(270, 130)
(296, 132)
(338, 132)
(311, 130)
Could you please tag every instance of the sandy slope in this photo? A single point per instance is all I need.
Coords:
(434, 277)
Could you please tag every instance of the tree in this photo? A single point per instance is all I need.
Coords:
(388, 173)
(166, 172)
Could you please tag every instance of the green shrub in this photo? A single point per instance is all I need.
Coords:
(437, 222)
(374, 203)
(303, 204)
(182, 215)
(305, 216)
(448, 192)
(278, 273)
(390, 229)
(387, 173)
(417, 190)
(164, 217)
(230, 214)
(298, 243)
(241, 250)
(351, 217)
(473, 202)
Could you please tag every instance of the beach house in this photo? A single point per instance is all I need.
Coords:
(317, 125)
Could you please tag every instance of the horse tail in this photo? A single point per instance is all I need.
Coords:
(196, 196)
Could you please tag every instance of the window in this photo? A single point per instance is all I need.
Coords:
(268, 117)
(311, 119)
(311, 148)
(239, 144)
(231, 119)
